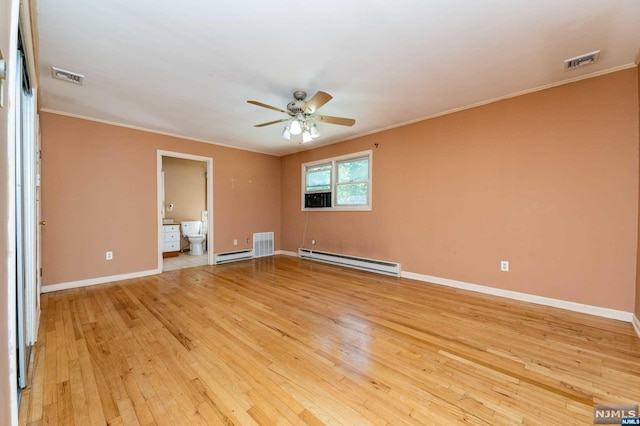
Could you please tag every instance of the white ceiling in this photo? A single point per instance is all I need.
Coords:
(187, 68)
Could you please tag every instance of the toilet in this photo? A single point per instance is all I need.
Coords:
(191, 230)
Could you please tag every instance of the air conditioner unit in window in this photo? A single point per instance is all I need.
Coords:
(317, 200)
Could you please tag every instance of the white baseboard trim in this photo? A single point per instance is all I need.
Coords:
(636, 325)
(287, 253)
(99, 280)
(524, 297)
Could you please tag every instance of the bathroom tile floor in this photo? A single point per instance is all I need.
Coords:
(183, 261)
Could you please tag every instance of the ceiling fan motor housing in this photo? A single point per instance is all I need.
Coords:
(296, 106)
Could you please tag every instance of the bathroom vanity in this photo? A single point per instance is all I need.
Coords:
(170, 240)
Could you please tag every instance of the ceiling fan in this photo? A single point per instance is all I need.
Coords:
(303, 115)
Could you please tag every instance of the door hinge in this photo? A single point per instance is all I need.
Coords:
(40, 154)
(41, 272)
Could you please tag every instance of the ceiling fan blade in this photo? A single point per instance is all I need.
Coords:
(272, 122)
(268, 106)
(336, 120)
(319, 99)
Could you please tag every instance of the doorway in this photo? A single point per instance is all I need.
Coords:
(190, 201)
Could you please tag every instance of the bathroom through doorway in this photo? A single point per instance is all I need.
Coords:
(185, 210)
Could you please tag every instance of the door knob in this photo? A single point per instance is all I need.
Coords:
(43, 222)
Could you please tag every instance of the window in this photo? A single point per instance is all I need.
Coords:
(352, 182)
(340, 183)
(318, 178)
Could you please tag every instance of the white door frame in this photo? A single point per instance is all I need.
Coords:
(12, 133)
(160, 198)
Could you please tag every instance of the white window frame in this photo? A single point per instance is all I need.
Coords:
(333, 183)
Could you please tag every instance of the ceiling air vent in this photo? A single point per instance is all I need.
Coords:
(580, 61)
(65, 75)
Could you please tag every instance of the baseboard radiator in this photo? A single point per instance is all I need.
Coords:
(233, 256)
(371, 265)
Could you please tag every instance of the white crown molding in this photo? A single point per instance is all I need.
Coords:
(144, 129)
(493, 100)
(360, 135)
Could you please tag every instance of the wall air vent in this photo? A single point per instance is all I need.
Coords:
(65, 75)
(582, 60)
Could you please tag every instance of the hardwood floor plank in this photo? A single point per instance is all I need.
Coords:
(222, 394)
(49, 383)
(64, 403)
(127, 413)
(34, 395)
(101, 371)
(78, 394)
(281, 340)
(50, 415)
(143, 414)
(90, 385)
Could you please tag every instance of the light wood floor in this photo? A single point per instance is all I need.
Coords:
(284, 341)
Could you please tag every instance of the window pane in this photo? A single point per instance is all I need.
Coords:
(352, 194)
(318, 178)
(353, 170)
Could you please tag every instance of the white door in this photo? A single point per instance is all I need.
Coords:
(26, 225)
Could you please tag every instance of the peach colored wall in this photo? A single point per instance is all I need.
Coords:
(99, 194)
(185, 186)
(547, 181)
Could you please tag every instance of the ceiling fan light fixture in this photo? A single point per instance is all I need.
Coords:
(294, 127)
(306, 136)
(286, 133)
(314, 132)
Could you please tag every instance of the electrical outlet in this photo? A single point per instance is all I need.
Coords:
(313, 242)
(504, 265)
(248, 240)
(235, 242)
(109, 255)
